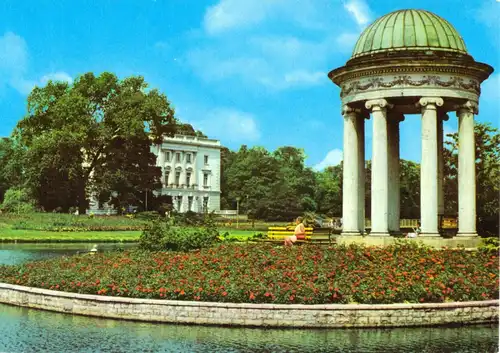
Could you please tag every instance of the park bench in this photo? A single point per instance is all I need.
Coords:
(317, 236)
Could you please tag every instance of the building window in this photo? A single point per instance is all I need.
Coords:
(177, 157)
(188, 158)
(167, 174)
(179, 203)
(177, 178)
(190, 203)
(167, 156)
(205, 204)
(205, 179)
(206, 159)
(188, 179)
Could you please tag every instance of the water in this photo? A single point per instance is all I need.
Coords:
(29, 330)
(13, 254)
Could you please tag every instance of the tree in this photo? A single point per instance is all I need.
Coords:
(487, 141)
(328, 193)
(77, 137)
(187, 129)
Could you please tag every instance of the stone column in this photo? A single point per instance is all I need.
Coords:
(429, 166)
(194, 176)
(466, 170)
(380, 177)
(351, 207)
(361, 171)
(393, 164)
(161, 164)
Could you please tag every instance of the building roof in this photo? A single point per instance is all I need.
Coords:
(405, 30)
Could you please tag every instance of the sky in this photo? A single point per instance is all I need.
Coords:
(248, 72)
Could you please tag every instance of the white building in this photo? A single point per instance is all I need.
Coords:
(190, 172)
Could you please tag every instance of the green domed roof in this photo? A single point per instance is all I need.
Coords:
(409, 30)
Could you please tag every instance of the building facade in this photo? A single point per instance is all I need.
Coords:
(190, 172)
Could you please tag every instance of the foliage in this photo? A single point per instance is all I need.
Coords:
(265, 274)
(270, 186)
(93, 137)
(17, 201)
(60, 222)
(489, 245)
(11, 156)
(328, 193)
(487, 141)
(161, 235)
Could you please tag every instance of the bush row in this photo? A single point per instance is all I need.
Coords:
(263, 273)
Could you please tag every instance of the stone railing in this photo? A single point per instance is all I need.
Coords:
(272, 315)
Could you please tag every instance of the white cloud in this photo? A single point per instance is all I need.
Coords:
(229, 14)
(276, 63)
(13, 53)
(229, 125)
(305, 77)
(14, 62)
(333, 157)
(60, 76)
(359, 10)
(346, 41)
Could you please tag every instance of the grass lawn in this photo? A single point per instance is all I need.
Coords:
(35, 236)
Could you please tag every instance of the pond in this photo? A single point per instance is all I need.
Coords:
(27, 330)
(12, 254)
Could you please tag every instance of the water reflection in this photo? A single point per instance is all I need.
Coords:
(13, 254)
(28, 330)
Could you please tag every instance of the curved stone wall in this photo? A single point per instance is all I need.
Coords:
(272, 315)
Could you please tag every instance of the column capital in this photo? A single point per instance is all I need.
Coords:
(430, 102)
(468, 107)
(378, 104)
(346, 109)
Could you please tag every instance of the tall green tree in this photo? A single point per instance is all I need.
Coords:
(487, 140)
(77, 137)
(328, 193)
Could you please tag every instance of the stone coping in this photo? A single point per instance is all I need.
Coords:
(247, 314)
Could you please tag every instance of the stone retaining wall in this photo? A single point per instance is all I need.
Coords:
(273, 315)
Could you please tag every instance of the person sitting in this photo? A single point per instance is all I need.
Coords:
(299, 232)
(416, 232)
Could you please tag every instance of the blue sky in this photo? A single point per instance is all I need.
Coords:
(244, 71)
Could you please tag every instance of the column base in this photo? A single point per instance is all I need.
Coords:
(429, 234)
(379, 234)
(467, 234)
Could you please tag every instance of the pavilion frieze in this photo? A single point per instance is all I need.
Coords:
(409, 81)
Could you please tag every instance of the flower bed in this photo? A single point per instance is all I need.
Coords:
(266, 274)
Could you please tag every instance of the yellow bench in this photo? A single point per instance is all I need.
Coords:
(279, 233)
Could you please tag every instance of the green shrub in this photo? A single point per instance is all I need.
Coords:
(152, 236)
(161, 235)
(148, 215)
(17, 201)
(489, 245)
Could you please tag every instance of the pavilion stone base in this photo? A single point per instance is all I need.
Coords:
(436, 242)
